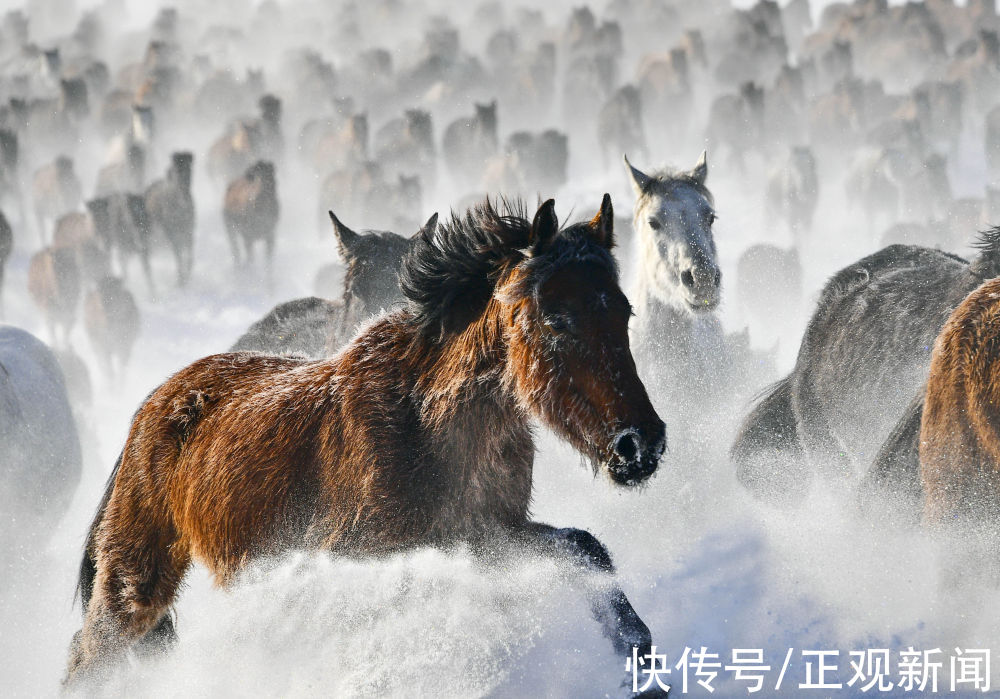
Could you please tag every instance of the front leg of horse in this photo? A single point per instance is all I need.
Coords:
(611, 608)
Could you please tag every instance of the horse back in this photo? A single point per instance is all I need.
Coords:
(241, 455)
(221, 458)
(866, 350)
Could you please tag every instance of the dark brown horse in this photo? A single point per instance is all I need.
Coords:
(250, 211)
(960, 427)
(171, 212)
(417, 433)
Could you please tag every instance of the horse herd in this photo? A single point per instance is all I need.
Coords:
(417, 431)
(396, 407)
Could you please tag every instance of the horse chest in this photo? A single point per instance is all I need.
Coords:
(484, 483)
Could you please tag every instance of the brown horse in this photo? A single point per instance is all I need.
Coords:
(417, 433)
(54, 285)
(960, 427)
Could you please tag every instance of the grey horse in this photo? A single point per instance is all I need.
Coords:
(863, 359)
(40, 460)
(679, 345)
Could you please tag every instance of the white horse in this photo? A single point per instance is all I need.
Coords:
(40, 461)
(692, 369)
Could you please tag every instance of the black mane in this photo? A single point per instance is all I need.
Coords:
(987, 262)
(448, 276)
(456, 267)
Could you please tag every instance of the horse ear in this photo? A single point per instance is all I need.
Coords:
(346, 238)
(640, 180)
(545, 227)
(700, 171)
(428, 228)
(604, 224)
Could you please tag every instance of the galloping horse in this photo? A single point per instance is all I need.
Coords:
(684, 355)
(417, 433)
(677, 333)
(864, 357)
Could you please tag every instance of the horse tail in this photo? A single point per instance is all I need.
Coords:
(766, 452)
(88, 566)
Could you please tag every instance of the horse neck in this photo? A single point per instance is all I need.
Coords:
(473, 428)
(468, 371)
(659, 321)
(663, 333)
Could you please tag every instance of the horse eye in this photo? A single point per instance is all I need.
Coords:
(711, 219)
(654, 224)
(558, 323)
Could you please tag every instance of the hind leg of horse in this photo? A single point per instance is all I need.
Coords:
(136, 582)
(147, 272)
(179, 260)
(611, 608)
(269, 260)
(248, 251)
(188, 259)
(40, 225)
(160, 638)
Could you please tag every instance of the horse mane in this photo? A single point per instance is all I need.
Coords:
(456, 268)
(987, 262)
(666, 180)
(448, 276)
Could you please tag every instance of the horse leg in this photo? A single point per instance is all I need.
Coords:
(178, 249)
(188, 257)
(40, 223)
(139, 569)
(234, 246)
(248, 250)
(147, 271)
(159, 639)
(269, 252)
(611, 608)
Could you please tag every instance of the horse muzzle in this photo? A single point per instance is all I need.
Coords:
(702, 284)
(636, 453)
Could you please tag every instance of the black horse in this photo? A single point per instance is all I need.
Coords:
(314, 326)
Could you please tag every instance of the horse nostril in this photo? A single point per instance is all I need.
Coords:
(687, 278)
(627, 446)
(718, 278)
